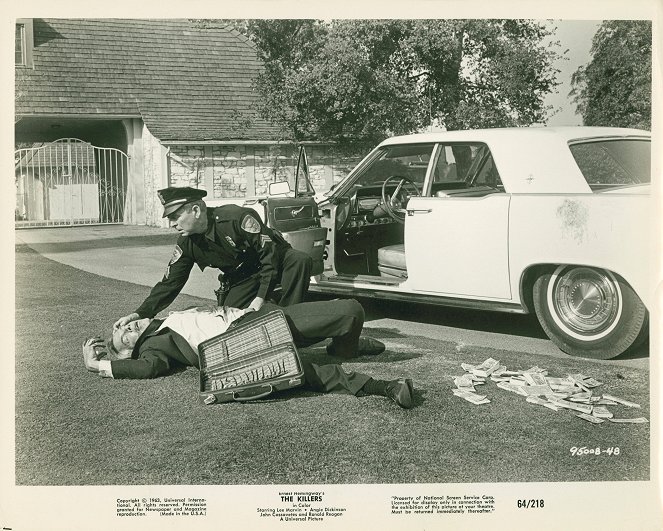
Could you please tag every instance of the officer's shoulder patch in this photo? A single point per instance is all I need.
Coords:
(250, 224)
(177, 253)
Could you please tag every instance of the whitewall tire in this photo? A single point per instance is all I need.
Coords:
(589, 312)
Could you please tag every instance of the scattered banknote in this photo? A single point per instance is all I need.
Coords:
(602, 412)
(464, 382)
(590, 418)
(621, 401)
(542, 402)
(573, 392)
(486, 368)
(558, 381)
(535, 378)
(639, 420)
(584, 380)
(518, 389)
(471, 397)
(582, 408)
(569, 389)
(581, 397)
(536, 369)
(538, 390)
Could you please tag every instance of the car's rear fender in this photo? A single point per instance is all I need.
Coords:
(610, 233)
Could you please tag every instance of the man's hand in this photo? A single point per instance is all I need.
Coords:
(256, 304)
(90, 357)
(124, 320)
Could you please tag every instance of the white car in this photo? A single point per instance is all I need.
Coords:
(555, 221)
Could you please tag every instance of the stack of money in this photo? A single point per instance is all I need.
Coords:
(471, 397)
(465, 388)
(486, 368)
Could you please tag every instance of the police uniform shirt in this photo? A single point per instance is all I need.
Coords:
(236, 242)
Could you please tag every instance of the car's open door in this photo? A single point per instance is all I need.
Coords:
(297, 217)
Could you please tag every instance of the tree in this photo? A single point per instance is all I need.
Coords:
(614, 88)
(368, 79)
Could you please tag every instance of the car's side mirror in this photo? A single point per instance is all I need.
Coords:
(279, 188)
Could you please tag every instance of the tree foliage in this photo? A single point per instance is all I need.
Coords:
(614, 88)
(367, 79)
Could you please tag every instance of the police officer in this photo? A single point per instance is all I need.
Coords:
(252, 258)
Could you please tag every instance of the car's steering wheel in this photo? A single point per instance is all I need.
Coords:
(394, 205)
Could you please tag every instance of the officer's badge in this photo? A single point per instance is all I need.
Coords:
(264, 239)
(230, 241)
(250, 224)
(177, 252)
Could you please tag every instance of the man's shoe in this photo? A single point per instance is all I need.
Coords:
(400, 391)
(369, 347)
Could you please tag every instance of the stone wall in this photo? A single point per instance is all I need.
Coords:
(228, 171)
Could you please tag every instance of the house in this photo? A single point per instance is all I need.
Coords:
(110, 110)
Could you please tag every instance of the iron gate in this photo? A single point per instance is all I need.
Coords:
(70, 182)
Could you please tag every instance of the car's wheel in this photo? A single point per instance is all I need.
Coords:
(589, 312)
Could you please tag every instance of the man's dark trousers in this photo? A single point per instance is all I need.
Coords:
(295, 276)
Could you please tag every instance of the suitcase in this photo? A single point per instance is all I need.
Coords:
(249, 361)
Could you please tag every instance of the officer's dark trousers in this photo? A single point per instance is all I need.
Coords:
(295, 277)
(311, 322)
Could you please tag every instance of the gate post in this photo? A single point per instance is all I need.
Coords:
(136, 177)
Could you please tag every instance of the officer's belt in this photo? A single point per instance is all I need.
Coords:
(240, 273)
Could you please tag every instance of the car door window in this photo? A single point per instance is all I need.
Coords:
(464, 165)
(487, 175)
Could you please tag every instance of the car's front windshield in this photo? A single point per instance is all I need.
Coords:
(457, 164)
(409, 161)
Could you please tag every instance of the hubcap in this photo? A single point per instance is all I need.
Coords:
(586, 301)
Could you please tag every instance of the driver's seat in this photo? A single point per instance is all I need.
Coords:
(391, 261)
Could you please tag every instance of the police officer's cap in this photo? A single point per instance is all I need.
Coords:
(174, 197)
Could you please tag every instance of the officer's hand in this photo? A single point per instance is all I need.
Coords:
(124, 320)
(256, 303)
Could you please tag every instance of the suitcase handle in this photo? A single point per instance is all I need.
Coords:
(239, 398)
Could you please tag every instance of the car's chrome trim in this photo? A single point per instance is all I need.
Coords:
(333, 286)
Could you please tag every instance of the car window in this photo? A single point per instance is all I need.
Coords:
(409, 161)
(465, 165)
(488, 174)
(454, 162)
(608, 163)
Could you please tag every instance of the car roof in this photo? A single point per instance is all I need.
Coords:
(567, 133)
(530, 159)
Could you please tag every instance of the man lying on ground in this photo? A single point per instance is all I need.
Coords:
(148, 348)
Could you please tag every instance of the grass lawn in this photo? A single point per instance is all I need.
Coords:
(74, 428)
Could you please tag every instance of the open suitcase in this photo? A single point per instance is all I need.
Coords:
(249, 361)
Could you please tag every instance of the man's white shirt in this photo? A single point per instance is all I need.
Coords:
(194, 325)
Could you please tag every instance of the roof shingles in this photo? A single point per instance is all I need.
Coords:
(188, 83)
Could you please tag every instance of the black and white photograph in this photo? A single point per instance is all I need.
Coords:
(333, 266)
